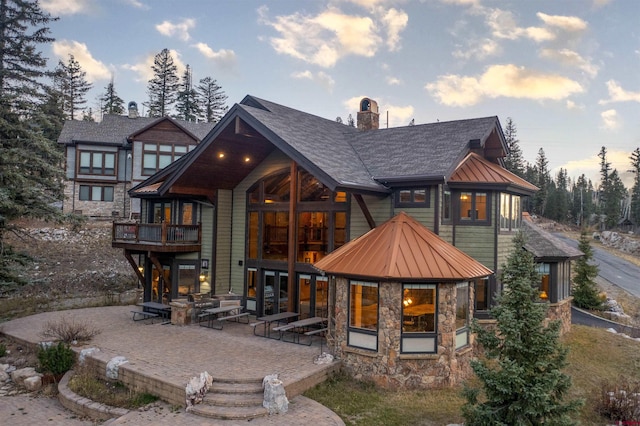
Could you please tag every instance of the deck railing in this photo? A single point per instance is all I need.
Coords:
(156, 233)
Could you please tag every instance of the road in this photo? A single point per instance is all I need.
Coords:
(612, 268)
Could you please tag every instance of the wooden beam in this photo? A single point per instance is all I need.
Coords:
(133, 264)
(291, 255)
(158, 266)
(365, 210)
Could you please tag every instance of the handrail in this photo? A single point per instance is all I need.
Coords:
(156, 233)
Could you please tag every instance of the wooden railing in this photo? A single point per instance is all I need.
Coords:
(156, 233)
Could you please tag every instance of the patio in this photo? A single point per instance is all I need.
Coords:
(165, 357)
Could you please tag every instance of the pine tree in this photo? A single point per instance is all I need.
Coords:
(612, 191)
(72, 83)
(187, 106)
(163, 87)
(30, 173)
(514, 161)
(522, 381)
(211, 100)
(585, 290)
(635, 191)
(350, 121)
(110, 101)
(542, 180)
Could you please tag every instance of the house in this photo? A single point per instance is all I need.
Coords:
(268, 195)
(103, 160)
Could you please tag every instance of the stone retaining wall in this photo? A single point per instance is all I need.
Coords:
(83, 406)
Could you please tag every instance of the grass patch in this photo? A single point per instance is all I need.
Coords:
(108, 392)
(595, 357)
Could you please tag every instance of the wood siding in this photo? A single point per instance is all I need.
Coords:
(426, 216)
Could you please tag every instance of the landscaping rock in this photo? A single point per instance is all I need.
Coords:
(197, 388)
(33, 384)
(4, 376)
(275, 398)
(113, 365)
(18, 376)
(85, 353)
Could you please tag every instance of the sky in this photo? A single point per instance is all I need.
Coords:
(567, 72)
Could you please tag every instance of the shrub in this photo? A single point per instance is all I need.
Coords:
(3, 350)
(68, 330)
(620, 400)
(56, 359)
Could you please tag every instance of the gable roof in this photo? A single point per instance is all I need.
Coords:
(545, 246)
(402, 249)
(116, 129)
(476, 170)
(340, 156)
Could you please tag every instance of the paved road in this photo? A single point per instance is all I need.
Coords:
(612, 268)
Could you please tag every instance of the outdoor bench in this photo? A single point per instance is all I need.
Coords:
(312, 332)
(144, 315)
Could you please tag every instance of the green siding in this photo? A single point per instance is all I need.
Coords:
(224, 207)
(381, 210)
(477, 242)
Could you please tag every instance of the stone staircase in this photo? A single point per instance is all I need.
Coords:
(232, 399)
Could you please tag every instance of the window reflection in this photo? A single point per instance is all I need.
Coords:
(363, 307)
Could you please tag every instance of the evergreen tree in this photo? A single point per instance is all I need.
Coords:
(558, 199)
(211, 100)
(522, 381)
(30, 173)
(110, 102)
(72, 83)
(350, 121)
(612, 191)
(514, 161)
(585, 290)
(163, 87)
(87, 115)
(49, 117)
(635, 191)
(339, 120)
(582, 207)
(542, 180)
(187, 106)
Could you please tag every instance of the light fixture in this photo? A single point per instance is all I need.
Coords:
(221, 155)
(407, 301)
(247, 159)
(141, 269)
(203, 277)
(544, 295)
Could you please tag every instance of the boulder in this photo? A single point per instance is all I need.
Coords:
(113, 365)
(197, 388)
(19, 375)
(275, 398)
(33, 384)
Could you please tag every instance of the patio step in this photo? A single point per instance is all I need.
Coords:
(233, 399)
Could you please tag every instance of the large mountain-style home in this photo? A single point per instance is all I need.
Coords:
(397, 236)
(103, 160)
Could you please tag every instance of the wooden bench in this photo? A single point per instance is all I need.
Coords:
(236, 317)
(283, 328)
(144, 315)
(312, 332)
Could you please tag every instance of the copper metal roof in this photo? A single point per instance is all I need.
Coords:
(402, 249)
(475, 169)
(149, 188)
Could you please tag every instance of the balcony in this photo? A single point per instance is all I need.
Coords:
(156, 237)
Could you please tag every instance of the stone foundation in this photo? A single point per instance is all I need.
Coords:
(561, 311)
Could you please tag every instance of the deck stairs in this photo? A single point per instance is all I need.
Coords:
(232, 399)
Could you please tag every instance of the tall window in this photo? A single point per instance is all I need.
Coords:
(446, 206)
(97, 163)
(509, 212)
(544, 290)
(462, 314)
(419, 310)
(95, 193)
(363, 305)
(156, 157)
(474, 207)
(482, 294)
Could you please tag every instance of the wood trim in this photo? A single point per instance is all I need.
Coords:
(158, 266)
(365, 210)
(291, 256)
(133, 264)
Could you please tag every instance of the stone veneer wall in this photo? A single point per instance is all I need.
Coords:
(387, 367)
(561, 311)
(102, 209)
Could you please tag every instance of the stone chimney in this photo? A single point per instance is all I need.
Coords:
(368, 116)
(133, 110)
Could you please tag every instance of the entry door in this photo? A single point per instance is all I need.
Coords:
(312, 296)
(275, 292)
(160, 288)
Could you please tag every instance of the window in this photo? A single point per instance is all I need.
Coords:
(544, 290)
(418, 197)
(363, 315)
(419, 318)
(509, 212)
(156, 157)
(95, 193)
(474, 207)
(462, 315)
(97, 163)
(482, 294)
(275, 234)
(446, 205)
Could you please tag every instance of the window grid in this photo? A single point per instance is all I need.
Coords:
(95, 193)
(97, 163)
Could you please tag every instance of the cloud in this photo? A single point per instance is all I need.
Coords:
(570, 58)
(180, 30)
(601, 3)
(96, 70)
(144, 69)
(325, 38)
(137, 4)
(508, 81)
(610, 119)
(223, 57)
(503, 25)
(66, 7)
(479, 49)
(321, 78)
(565, 23)
(571, 105)
(618, 94)
(393, 81)
(590, 166)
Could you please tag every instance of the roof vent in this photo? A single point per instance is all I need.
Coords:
(133, 110)
(368, 116)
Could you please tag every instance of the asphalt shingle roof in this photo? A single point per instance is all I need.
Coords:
(543, 244)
